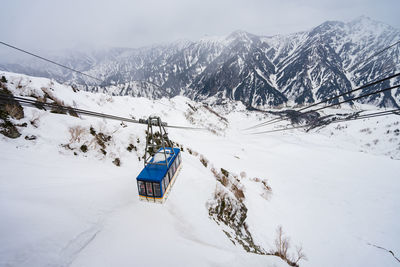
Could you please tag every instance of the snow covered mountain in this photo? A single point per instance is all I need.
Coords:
(65, 200)
(296, 69)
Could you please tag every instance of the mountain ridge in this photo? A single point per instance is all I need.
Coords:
(260, 71)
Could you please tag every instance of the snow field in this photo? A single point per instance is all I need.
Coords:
(61, 209)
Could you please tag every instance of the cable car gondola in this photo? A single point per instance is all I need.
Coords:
(162, 163)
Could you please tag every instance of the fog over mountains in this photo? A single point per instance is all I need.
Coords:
(260, 71)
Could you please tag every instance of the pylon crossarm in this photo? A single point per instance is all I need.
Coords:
(157, 142)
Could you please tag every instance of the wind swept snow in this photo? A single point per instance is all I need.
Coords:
(64, 203)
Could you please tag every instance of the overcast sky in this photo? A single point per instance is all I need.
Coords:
(54, 24)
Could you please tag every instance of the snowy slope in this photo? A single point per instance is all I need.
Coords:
(62, 209)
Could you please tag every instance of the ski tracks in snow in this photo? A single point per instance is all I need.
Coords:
(76, 245)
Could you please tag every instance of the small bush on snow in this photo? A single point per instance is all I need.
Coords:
(204, 161)
(84, 148)
(76, 134)
(282, 245)
(117, 162)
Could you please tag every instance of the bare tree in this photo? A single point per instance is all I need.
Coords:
(76, 133)
(300, 255)
(282, 243)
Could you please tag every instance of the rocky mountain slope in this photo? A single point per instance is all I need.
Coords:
(295, 69)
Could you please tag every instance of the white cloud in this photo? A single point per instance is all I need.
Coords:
(49, 24)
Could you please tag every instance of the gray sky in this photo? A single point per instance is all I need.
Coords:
(54, 24)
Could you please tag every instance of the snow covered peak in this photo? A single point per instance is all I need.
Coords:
(365, 20)
(364, 24)
(241, 66)
(240, 35)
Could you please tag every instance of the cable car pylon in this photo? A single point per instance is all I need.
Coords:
(162, 163)
(156, 140)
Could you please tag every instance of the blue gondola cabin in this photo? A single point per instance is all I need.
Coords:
(158, 176)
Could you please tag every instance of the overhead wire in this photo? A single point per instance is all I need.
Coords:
(370, 115)
(103, 84)
(356, 98)
(365, 116)
(343, 94)
(90, 113)
(8, 98)
(50, 61)
(374, 55)
(330, 99)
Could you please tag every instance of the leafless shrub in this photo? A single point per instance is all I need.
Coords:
(214, 171)
(67, 146)
(300, 255)
(117, 162)
(102, 139)
(340, 127)
(52, 96)
(221, 178)
(35, 120)
(131, 147)
(76, 133)
(224, 181)
(204, 161)
(238, 192)
(266, 185)
(282, 245)
(224, 172)
(60, 109)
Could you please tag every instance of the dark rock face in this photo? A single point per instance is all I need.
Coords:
(296, 69)
(9, 109)
(8, 129)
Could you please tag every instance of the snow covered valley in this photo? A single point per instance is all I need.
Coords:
(64, 201)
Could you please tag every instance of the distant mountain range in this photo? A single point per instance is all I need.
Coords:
(260, 71)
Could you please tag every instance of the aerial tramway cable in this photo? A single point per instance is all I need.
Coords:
(8, 98)
(91, 113)
(49, 60)
(365, 116)
(276, 120)
(374, 55)
(80, 72)
(343, 94)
